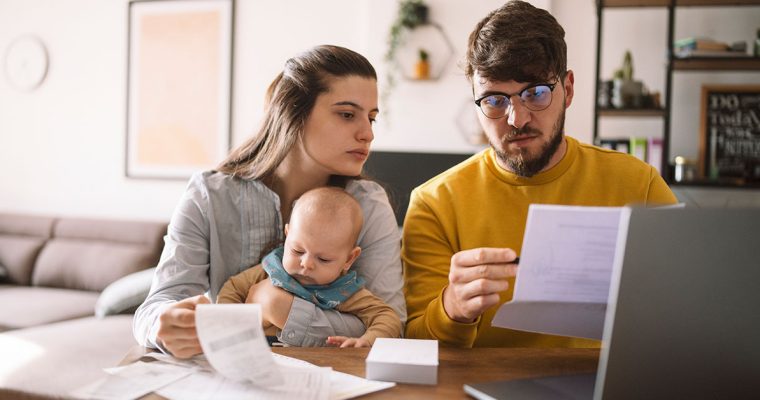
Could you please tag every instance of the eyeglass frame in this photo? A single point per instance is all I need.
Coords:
(551, 87)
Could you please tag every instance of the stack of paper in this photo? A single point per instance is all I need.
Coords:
(237, 364)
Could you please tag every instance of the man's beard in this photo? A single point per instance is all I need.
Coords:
(527, 167)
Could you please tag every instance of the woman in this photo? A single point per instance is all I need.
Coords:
(316, 131)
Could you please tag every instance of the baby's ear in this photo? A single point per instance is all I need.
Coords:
(286, 228)
(352, 256)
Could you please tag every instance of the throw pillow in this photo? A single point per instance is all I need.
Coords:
(125, 294)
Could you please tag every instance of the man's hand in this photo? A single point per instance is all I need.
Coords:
(343, 342)
(476, 278)
(176, 330)
(275, 302)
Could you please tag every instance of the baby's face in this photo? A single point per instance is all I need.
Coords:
(317, 252)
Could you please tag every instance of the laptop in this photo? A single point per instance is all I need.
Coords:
(683, 317)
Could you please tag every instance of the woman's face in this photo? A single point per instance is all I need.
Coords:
(338, 133)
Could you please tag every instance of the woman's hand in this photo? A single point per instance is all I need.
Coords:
(275, 302)
(176, 331)
(343, 342)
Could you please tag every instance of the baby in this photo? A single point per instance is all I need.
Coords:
(320, 246)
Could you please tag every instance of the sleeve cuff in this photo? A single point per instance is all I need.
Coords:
(296, 329)
(450, 332)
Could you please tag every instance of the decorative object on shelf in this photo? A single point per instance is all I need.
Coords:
(626, 92)
(729, 147)
(179, 86)
(26, 63)
(422, 68)
(413, 30)
(604, 97)
(683, 170)
(756, 47)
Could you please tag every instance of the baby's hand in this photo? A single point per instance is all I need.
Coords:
(342, 342)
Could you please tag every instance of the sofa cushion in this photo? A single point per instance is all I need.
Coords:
(88, 265)
(57, 358)
(24, 306)
(126, 294)
(21, 238)
(26, 225)
(89, 254)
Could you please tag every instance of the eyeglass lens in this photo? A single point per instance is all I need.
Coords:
(535, 98)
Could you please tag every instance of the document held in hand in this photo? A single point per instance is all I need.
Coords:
(565, 268)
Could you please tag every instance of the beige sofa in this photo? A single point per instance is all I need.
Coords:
(68, 287)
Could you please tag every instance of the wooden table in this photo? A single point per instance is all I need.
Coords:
(456, 367)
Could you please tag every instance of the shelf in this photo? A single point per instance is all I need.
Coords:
(675, 65)
(631, 112)
(717, 64)
(679, 3)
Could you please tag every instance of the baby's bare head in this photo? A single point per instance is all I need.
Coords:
(332, 207)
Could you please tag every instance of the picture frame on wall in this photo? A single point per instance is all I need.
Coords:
(179, 86)
(729, 147)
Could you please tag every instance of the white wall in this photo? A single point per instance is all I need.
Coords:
(62, 145)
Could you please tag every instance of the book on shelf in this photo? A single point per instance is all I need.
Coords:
(700, 44)
(654, 153)
(620, 145)
(648, 150)
(705, 47)
(689, 53)
(638, 148)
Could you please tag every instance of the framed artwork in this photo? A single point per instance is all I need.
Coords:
(729, 147)
(179, 86)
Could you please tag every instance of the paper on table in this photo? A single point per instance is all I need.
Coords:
(132, 381)
(346, 386)
(233, 341)
(299, 383)
(565, 268)
(342, 386)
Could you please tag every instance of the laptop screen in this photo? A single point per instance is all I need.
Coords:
(684, 321)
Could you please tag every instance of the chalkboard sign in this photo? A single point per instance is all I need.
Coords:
(730, 142)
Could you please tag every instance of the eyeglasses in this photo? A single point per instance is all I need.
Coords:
(536, 97)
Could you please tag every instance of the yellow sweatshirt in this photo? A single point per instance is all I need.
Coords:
(479, 204)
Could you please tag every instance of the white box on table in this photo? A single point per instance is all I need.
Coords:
(403, 360)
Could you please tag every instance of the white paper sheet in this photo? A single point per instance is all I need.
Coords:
(342, 386)
(565, 268)
(233, 342)
(567, 254)
(299, 383)
(132, 381)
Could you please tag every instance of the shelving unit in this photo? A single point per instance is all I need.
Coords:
(673, 64)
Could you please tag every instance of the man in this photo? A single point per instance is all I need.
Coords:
(463, 227)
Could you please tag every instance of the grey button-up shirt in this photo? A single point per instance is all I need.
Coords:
(222, 226)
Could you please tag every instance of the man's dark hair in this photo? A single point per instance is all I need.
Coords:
(517, 42)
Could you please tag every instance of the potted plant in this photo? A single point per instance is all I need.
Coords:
(411, 14)
(422, 68)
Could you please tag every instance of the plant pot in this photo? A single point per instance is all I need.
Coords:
(627, 93)
(422, 70)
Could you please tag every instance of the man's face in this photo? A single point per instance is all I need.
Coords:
(526, 142)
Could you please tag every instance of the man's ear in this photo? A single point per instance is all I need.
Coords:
(569, 91)
(352, 256)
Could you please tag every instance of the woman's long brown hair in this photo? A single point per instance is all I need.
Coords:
(289, 102)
